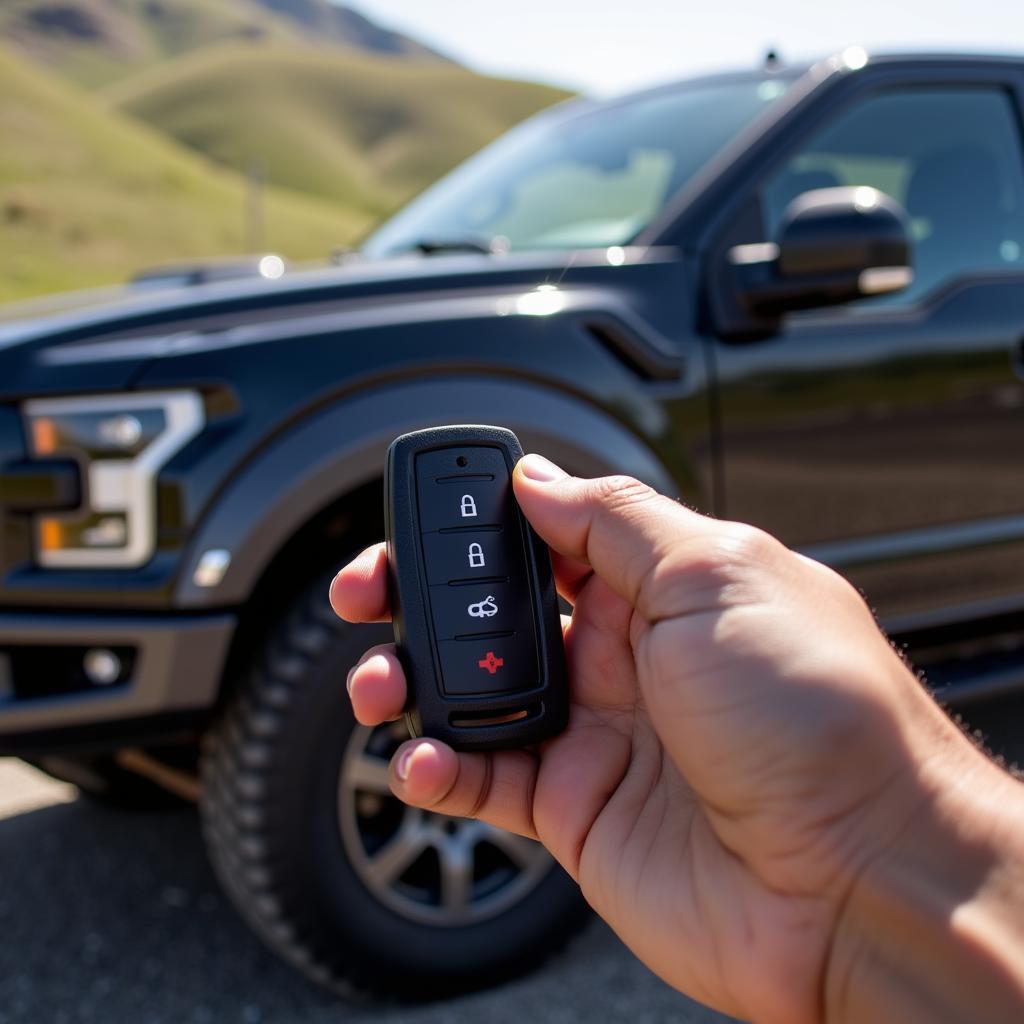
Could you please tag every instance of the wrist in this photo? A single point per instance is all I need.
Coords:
(933, 926)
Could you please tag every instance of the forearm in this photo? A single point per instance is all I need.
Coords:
(933, 929)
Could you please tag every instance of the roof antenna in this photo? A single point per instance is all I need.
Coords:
(772, 60)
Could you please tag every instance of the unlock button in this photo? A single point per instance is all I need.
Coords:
(472, 555)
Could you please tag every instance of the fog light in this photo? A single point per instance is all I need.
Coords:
(102, 667)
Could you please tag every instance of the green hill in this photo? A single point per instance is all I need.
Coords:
(87, 195)
(343, 119)
(95, 41)
(349, 126)
(98, 41)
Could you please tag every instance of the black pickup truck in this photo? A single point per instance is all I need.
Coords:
(792, 297)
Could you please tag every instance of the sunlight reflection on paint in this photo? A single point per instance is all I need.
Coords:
(855, 57)
(865, 198)
(271, 267)
(547, 299)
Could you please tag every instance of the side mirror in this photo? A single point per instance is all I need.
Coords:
(834, 245)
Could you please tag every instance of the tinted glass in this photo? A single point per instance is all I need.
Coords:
(589, 180)
(951, 157)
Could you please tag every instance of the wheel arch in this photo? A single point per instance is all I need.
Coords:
(329, 464)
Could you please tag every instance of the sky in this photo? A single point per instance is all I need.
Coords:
(610, 46)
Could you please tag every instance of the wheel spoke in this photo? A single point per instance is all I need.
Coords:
(465, 885)
(399, 854)
(363, 771)
(456, 857)
(524, 853)
(398, 730)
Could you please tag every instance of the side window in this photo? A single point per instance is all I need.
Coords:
(951, 156)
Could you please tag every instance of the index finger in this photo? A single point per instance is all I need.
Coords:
(359, 593)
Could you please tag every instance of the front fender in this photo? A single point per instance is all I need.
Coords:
(337, 449)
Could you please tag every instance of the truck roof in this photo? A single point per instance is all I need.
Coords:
(790, 71)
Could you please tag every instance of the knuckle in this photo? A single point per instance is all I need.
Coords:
(469, 791)
(707, 568)
(475, 802)
(744, 547)
(833, 585)
(619, 492)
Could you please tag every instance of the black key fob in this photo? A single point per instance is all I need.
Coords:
(472, 593)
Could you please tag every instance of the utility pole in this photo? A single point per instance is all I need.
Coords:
(255, 220)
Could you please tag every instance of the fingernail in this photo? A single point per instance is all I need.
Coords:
(402, 765)
(348, 679)
(536, 467)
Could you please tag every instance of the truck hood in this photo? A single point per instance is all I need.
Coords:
(105, 341)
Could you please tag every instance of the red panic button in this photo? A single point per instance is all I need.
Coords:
(491, 663)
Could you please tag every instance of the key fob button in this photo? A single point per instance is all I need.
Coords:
(466, 556)
(498, 665)
(460, 503)
(451, 495)
(481, 608)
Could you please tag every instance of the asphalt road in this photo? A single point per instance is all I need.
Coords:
(113, 917)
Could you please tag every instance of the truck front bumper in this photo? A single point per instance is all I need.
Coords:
(170, 668)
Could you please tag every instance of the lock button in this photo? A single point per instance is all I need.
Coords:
(468, 556)
(452, 496)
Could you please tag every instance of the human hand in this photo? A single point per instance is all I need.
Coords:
(743, 749)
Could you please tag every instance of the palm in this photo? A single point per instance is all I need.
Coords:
(612, 804)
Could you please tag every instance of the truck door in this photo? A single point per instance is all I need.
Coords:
(886, 437)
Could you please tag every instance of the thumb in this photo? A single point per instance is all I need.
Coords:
(620, 527)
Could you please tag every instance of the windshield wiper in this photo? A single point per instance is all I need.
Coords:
(430, 246)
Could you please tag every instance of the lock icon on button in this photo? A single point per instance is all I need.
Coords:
(476, 556)
(468, 506)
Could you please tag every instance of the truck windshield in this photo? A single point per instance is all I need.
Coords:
(584, 180)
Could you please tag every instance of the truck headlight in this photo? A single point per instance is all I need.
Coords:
(121, 442)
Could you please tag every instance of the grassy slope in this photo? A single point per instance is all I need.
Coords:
(363, 129)
(98, 41)
(87, 195)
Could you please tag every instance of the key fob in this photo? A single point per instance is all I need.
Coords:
(473, 599)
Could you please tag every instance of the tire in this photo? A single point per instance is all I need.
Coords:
(101, 778)
(334, 873)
